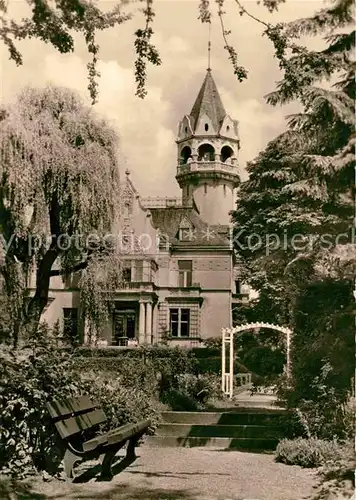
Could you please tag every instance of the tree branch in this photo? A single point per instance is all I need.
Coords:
(77, 267)
(244, 11)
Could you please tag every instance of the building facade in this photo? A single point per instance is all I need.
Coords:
(180, 279)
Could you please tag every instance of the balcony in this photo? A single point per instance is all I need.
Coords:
(138, 286)
(187, 293)
(162, 202)
(206, 166)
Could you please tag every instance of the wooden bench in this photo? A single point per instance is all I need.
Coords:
(76, 418)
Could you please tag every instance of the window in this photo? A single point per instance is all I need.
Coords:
(126, 272)
(237, 287)
(139, 270)
(224, 189)
(179, 320)
(70, 323)
(186, 129)
(205, 188)
(163, 241)
(227, 128)
(206, 127)
(185, 273)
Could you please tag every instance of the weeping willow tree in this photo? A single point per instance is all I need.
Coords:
(59, 199)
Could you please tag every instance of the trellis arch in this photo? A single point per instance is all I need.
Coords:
(227, 377)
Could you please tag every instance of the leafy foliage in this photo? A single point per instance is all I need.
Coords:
(323, 356)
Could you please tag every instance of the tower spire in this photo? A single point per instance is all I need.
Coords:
(209, 46)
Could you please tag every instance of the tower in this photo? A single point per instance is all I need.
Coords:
(208, 145)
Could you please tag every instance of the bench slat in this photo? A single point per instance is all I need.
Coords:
(78, 423)
(58, 408)
(117, 435)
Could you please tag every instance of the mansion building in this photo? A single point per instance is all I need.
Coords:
(180, 278)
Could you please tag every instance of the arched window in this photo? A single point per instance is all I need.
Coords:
(185, 154)
(227, 128)
(206, 152)
(206, 127)
(226, 152)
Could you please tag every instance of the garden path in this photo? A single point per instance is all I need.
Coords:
(191, 474)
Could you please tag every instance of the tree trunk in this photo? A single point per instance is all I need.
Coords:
(39, 301)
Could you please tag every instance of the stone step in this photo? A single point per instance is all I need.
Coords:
(274, 418)
(216, 431)
(216, 442)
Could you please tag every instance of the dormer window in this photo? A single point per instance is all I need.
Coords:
(186, 231)
(186, 130)
(206, 127)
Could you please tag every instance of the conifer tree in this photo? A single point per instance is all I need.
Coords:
(299, 198)
(299, 205)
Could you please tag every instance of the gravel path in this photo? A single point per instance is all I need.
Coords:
(193, 474)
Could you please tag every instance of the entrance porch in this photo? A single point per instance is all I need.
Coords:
(133, 323)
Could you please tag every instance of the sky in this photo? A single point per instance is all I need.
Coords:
(147, 128)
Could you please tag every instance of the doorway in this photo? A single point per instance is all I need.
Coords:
(124, 326)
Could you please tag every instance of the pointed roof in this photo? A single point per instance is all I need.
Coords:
(208, 102)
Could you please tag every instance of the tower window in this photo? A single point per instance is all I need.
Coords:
(185, 154)
(186, 130)
(226, 153)
(206, 127)
(206, 152)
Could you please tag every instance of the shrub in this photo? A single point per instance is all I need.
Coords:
(327, 415)
(42, 372)
(307, 452)
(122, 402)
(338, 476)
(192, 392)
(28, 379)
(323, 355)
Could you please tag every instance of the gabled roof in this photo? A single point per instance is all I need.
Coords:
(168, 221)
(208, 102)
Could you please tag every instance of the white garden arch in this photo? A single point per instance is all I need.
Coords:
(227, 376)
